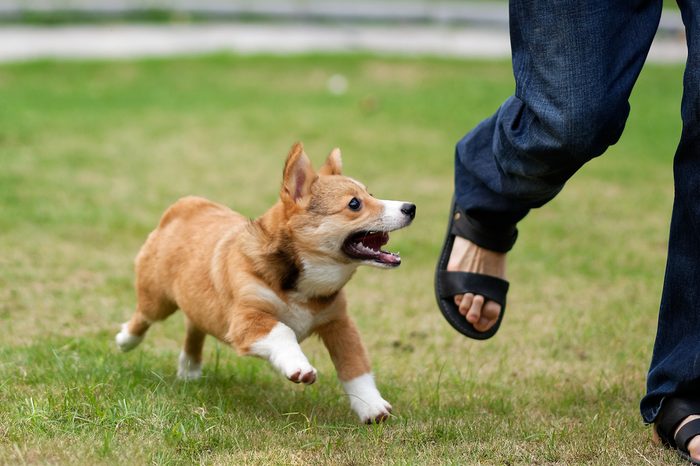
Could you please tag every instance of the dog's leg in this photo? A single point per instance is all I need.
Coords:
(190, 361)
(258, 333)
(352, 364)
(132, 332)
(148, 310)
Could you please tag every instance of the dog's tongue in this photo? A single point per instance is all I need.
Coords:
(367, 246)
(389, 258)
(375, 241)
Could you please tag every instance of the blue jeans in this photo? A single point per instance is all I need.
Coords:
(575, 64)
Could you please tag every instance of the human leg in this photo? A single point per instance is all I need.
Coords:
(674, 373)
(575, 65)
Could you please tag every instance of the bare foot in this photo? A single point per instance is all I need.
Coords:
(468, 257)
(694, 444)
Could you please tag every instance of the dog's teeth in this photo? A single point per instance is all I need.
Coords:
(365, 249)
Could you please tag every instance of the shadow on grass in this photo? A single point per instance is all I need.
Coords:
(65, 384)
(85, 390)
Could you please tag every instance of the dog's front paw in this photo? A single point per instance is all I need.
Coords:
(365, 399)
(301, 373)
(372, 412)
(294, 365)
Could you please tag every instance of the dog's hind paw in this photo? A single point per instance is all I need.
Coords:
(127, 341)
(188, 368)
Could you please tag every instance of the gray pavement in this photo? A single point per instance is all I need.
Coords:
(466, 29)
(473, 12)
(454, 11)
(133, 40)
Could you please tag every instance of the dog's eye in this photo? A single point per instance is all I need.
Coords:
(355, 204)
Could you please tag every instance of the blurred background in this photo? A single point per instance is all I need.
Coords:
(410, 27)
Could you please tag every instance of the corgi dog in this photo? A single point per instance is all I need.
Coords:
(264, 285)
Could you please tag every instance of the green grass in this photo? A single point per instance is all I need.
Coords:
(91, 154)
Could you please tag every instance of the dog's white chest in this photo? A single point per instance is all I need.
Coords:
(320, 278)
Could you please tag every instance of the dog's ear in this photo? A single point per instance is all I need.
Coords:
(333, 165)
(298, 176)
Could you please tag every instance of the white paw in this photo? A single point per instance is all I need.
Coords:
(281, 348)
(125, 340)
(366, 401)
(302, 372)
(188, 368)
(371, 411)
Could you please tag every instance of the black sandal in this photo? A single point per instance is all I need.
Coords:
(673, 411)
(449, 284)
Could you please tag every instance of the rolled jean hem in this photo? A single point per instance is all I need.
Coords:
(649, 415)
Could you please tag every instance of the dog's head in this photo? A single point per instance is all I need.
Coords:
(334, 217)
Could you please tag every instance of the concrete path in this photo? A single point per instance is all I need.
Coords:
(130, 41)
(469, 12)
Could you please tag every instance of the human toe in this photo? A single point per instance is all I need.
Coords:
(465, 303)
(489, 316)
(694, 448)
(474, 312)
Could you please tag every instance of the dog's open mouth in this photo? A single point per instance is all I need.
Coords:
(366, 245)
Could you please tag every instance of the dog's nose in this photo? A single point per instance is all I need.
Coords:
(409, 209)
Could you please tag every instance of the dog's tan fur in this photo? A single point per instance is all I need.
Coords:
(236, 279)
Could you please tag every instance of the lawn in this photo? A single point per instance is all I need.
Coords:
(91, 153)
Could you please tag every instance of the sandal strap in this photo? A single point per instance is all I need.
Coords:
(467, 227)
(673, 411)
(453, 283)
(686, 433)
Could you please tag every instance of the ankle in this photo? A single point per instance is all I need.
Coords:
(468, 257)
